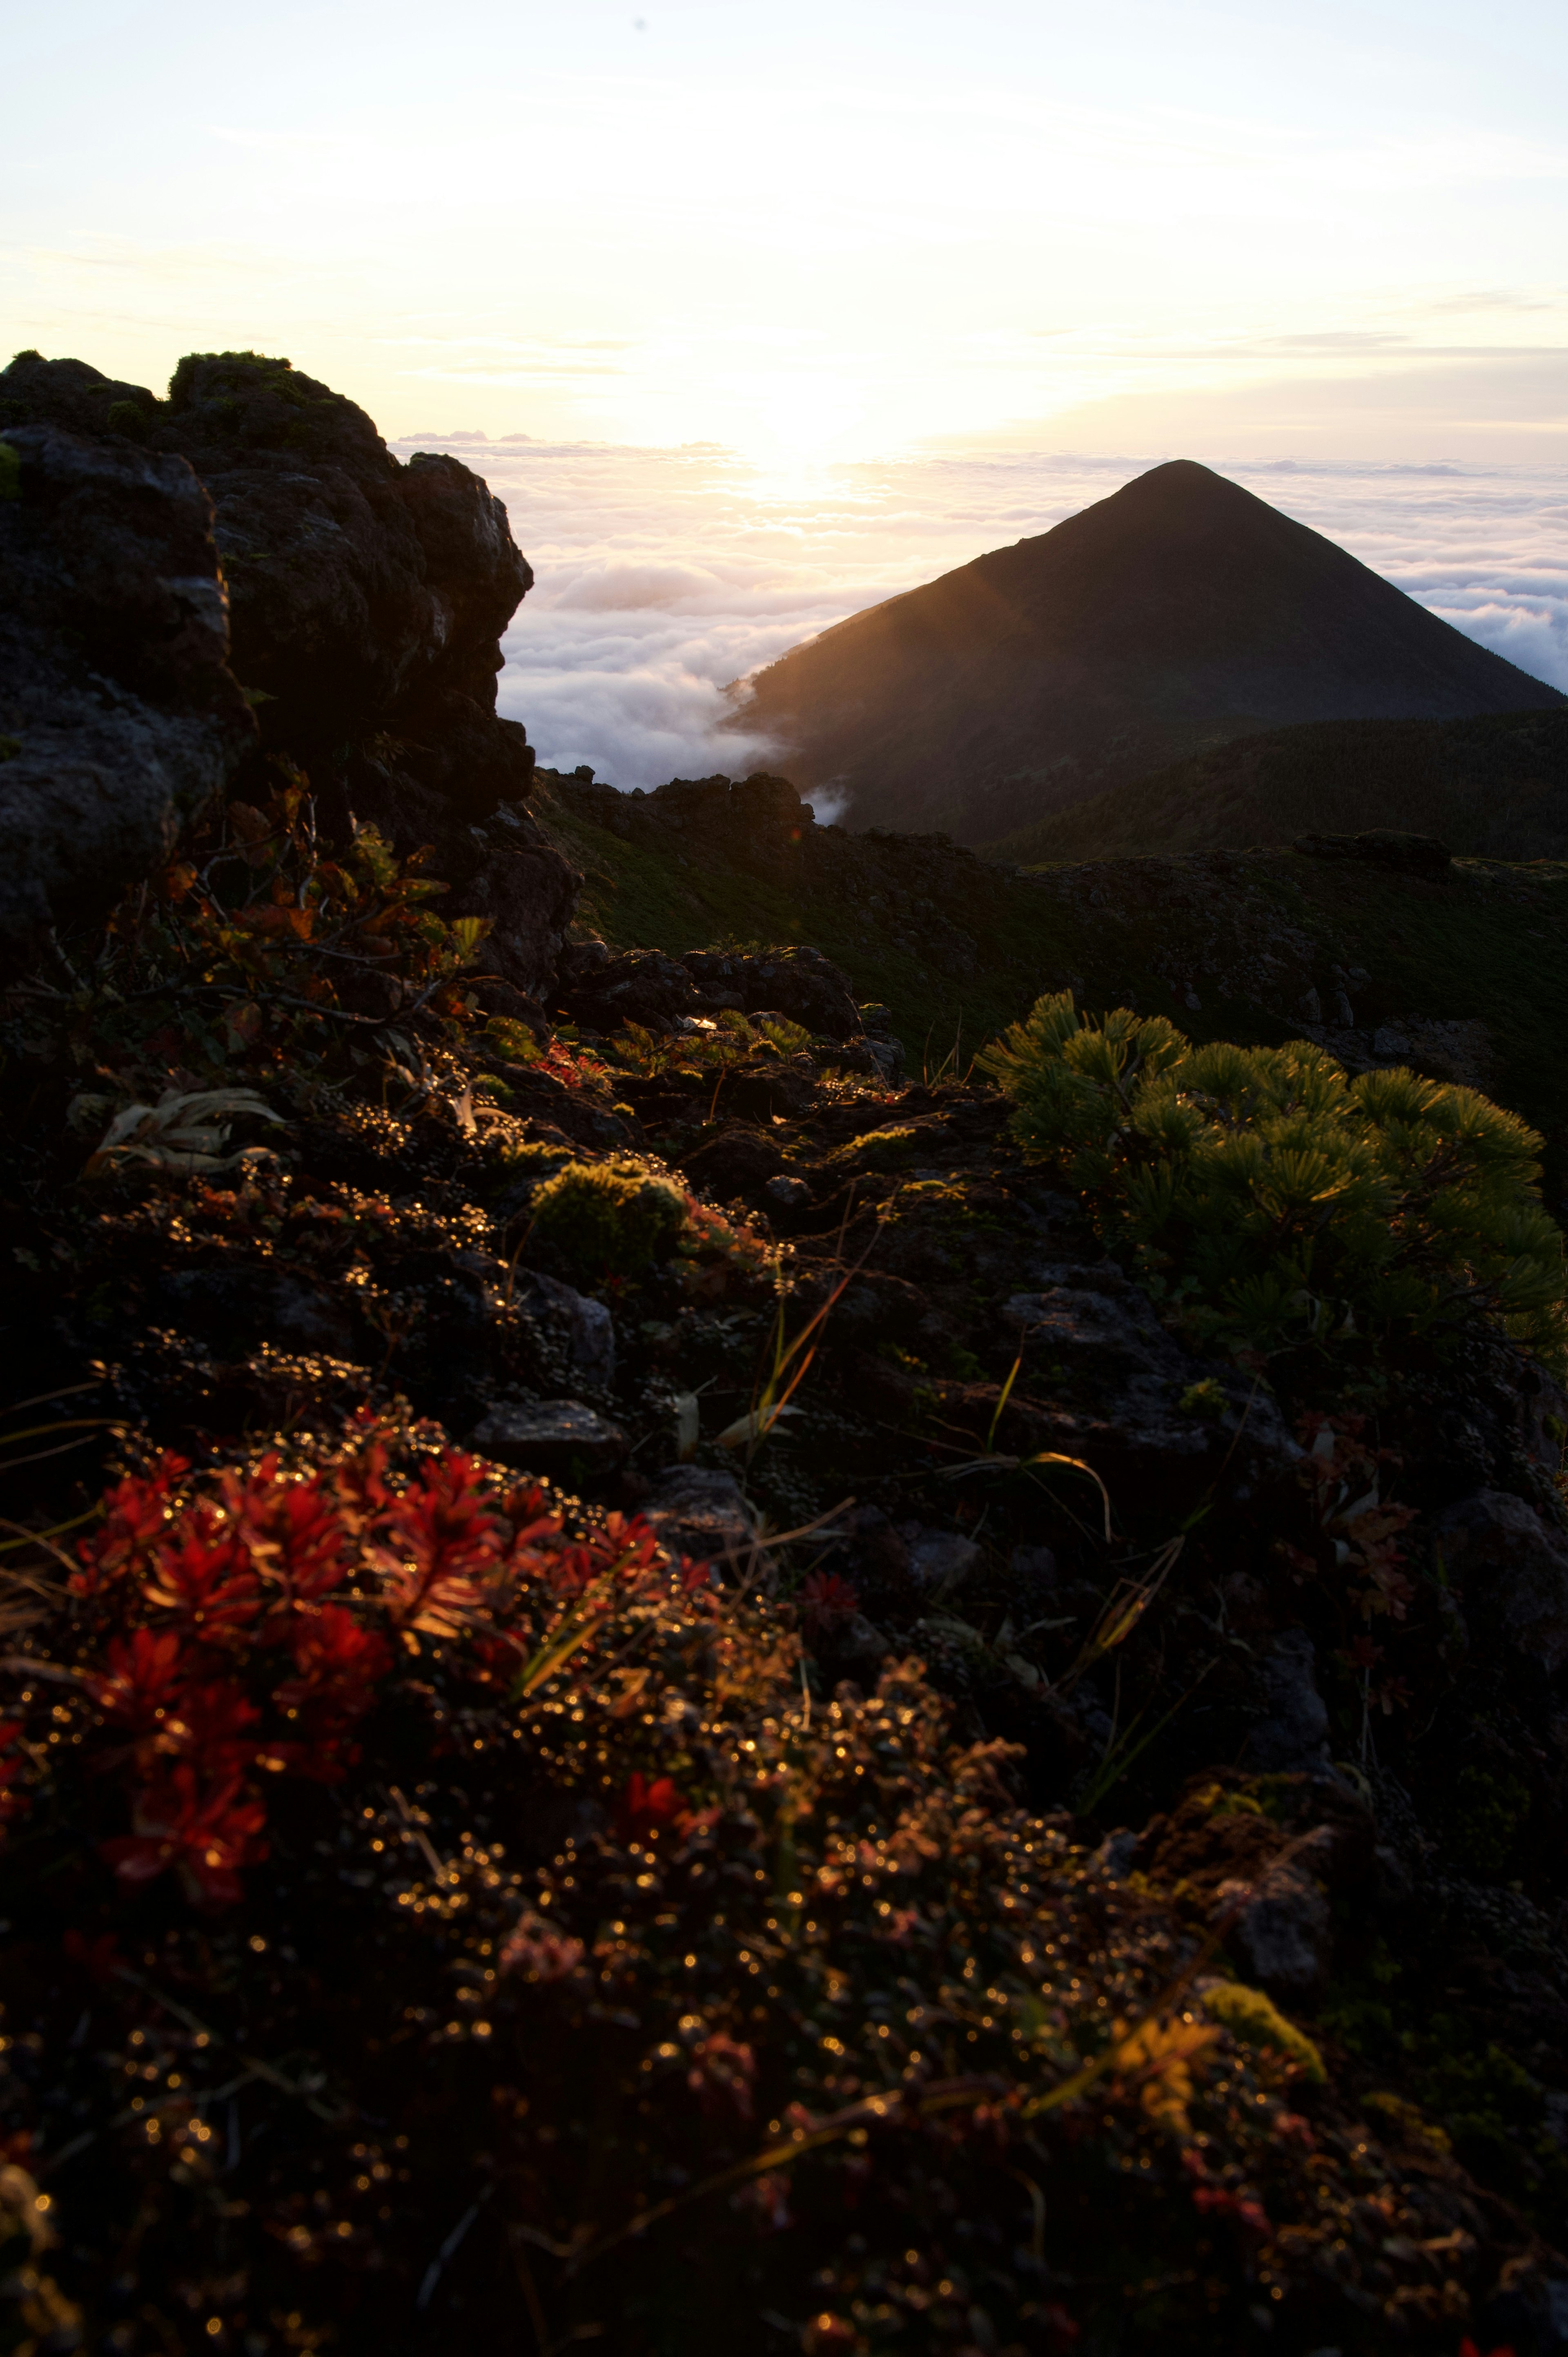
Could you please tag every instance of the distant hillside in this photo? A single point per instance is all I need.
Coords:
(1464, 975)
(1496, 787)
(1178, 614)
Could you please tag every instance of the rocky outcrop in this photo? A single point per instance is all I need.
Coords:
(365, 600)
(1512, 1570)
(118, 712)
(603, 989)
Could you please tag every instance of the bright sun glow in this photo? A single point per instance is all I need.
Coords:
(836, 231)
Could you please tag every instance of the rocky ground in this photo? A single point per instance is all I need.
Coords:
(1266, 1656)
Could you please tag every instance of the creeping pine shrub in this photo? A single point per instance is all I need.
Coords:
(616, 1216)
(1272, 1197)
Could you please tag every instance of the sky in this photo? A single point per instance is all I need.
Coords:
(802, 298)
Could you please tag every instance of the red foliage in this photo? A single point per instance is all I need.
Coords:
(245, 1630)
(208, 1831)
(826, 1602)
(647, 1807)
(12, 1805)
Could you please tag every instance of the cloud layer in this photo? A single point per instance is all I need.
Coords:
(662, 575)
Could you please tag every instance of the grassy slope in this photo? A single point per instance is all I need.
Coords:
(1496, 786)
(1248, 933)
(648, 894)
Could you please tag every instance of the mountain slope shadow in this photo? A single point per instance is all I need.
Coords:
(1178, 613)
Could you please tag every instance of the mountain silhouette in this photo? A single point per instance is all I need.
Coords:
(1176, 614)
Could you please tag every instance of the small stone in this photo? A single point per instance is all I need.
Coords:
(1285, 1931)
(701, 1512)
(787, 1194)
(1294, 1735)
(590, 1329)
(941, 1561)
(556, 1439)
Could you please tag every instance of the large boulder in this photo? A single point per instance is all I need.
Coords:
(118, 711)
(1512, 1571)
(366, 600)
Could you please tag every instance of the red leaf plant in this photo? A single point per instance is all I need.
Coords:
(827, 1602)
(241, 1628)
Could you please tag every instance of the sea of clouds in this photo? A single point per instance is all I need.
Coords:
(662, 576)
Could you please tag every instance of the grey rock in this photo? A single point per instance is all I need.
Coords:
(588, 1326)
(1094, 1345)
(1513, 1570)
(118, 711)
(1116, 1852)
(1294, 1735)
(1285, 1930)
(785, 1194)
(554, 1439)
(1461, 1051)
(941, 1561)
(701, 1512)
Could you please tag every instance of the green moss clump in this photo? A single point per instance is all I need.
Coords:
(511, 1040)
(129, 418)
(1257, 2021)
(614, 1217)
(880, 1149)
(1274, 1198)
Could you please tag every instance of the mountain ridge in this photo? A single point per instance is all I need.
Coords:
(1178, 613)
(1494, 786)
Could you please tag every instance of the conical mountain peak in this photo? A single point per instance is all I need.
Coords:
(1177, 612)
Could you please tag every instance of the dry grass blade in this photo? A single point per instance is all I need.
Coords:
(1125, 1607)
(773, 1402)
(995, 1462)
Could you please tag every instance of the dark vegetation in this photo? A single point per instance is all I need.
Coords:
(1496, 787)
(676, 1670)
(1460, 970)
(1148, 628)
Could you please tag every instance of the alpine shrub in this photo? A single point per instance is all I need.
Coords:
(1272, 1198)
(616, 1216)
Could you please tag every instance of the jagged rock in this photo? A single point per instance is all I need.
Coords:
(702, 1513)
(800, 983)
(1513, 1569)
(588, 1327)
(557, 1439)
(1296, 1732)
(604, 993)
(366, 595)
(367, 603)
(118, 712)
